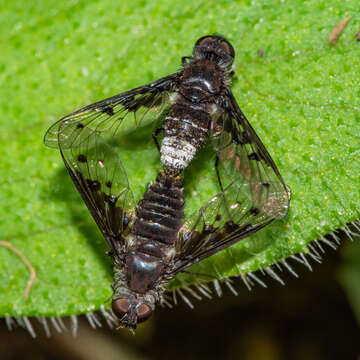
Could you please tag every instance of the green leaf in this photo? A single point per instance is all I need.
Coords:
(299, 93)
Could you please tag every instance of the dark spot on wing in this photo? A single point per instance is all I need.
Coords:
(265, 184)
(240, 138)
(108, 110)
(230, 227)
(254, 211)
(218, 217)
(80, 126)
(131, 104)
(235, 137)
(208, 229)
(112, 199)
(157, 102)
(245, 138)
(108, 184)
(82, 158)
(94, 185)
(254, 156)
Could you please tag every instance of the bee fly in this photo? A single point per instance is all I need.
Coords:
(152, 242)
(191, 101)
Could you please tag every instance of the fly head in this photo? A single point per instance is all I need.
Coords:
(136, 288)
(132, 310)
(215, 48)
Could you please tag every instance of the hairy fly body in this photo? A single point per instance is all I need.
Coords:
(147, 263)
(190, 101)
(152, 242)
(201, 91)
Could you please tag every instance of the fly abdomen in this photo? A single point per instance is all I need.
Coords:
(160, 213)
(185, 130)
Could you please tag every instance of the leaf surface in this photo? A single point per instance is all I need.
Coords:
(300, 94)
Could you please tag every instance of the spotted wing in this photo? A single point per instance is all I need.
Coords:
(253, 191)
(138, 106)
(100, 178)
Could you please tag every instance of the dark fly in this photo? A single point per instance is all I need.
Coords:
(152, 242)
(192, 103)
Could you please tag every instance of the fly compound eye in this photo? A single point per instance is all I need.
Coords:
(120, 307)
(205, 40)
(216, 41)
(143, 313)
(227, 48)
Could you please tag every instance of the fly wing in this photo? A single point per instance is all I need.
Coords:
(253, 191)
(101, 180)
(138, 106)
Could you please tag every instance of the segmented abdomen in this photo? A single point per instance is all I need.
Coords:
(185, 130)
(160, 213)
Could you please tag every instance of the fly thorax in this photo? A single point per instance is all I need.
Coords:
(194, 92)
(201, 80)
(142, 271)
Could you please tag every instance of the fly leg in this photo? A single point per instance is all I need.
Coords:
(185, 60)
(217, 173)
(155, 134)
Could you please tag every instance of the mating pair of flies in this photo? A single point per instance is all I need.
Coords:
(152, 241)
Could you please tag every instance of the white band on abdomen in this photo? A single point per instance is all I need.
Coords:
(176, 153)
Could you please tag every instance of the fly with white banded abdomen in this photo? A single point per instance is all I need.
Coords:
(153, 241)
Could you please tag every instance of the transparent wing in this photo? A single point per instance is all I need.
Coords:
(101, 180)
(138, 106)
(253, 191)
